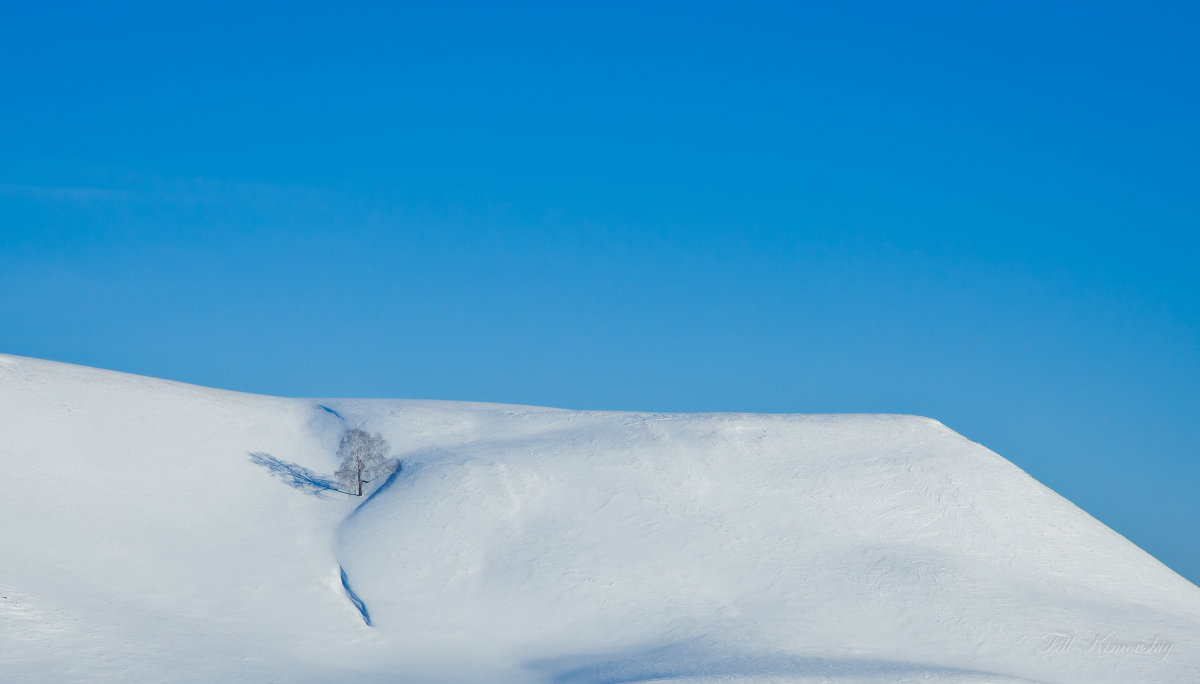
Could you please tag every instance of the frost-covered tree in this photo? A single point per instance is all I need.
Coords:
(364, 458)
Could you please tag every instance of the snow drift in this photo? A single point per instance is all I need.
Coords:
(156, 531)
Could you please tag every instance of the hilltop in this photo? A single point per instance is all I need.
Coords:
(158, 531)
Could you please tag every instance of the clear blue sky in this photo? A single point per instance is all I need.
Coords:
(986, 213)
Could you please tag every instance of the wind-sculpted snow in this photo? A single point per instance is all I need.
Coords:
(154, 531)
(358, 602)
(701, 661)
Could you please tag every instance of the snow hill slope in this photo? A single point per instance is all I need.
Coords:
(156, 531)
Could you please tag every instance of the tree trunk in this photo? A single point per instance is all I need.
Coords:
(360, 487)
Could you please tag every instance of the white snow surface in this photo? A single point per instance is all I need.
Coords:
(153, 531)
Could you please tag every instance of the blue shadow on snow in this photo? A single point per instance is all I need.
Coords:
(294, 475)
(694, 659)
(358, 603)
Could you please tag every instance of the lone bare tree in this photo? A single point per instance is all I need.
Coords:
(364, 458)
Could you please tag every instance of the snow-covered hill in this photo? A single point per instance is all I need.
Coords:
(155, 531)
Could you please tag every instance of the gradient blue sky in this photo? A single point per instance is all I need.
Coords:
(985, 213)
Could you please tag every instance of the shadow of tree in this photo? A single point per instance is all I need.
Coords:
(294, 475)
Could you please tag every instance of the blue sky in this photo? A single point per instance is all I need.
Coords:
(986, 214)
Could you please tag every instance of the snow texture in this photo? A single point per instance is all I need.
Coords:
(156, 531)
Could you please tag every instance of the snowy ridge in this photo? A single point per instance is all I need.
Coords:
(156, 531)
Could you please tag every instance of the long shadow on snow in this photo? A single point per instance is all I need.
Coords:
(695, 659)
(294, 475)
(354, 598)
